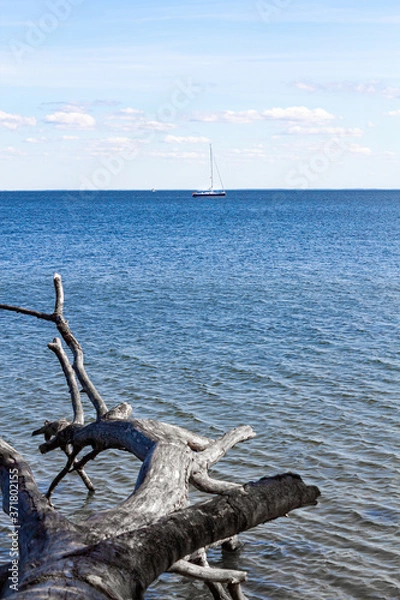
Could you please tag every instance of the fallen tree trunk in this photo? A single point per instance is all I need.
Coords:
(117, 553)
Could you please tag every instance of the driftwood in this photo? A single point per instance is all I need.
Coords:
(117, 553)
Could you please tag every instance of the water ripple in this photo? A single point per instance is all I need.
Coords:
(283, 314)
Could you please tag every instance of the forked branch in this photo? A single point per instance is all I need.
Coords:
(58, 319)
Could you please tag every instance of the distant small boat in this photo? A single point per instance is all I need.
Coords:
(211, 191)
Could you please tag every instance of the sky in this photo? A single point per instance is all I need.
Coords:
(128, 95)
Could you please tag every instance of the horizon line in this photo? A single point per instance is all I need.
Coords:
(154, 190)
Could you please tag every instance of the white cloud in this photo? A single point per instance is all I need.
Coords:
(131, 111)
(175, 139)
(307, 87)
(11, 121)
(257, 151)
(41, 139)
(33, 140)
(298, 113)
(113, 146)
(367, 88)
(230, 116)
(119, 140)
(66, 107)
(71, 120)
(290, 114)
(11, 152)
(176, 154)
(334, 131)
(132, 119)
(391, 92)
(157, 125)
(394, 113)
(357, 149)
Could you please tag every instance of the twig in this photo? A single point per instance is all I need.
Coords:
(211, 455)
(61, 474)
(203, 482)
(78, 465)
(81, 472)
(188, 569)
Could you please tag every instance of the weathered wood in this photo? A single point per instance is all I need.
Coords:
(116, 554)
(216, 588)
(59, 555)
(188, 569)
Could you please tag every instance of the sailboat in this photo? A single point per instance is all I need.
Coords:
(211, 191)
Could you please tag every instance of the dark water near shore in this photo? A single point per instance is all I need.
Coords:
(273, 309)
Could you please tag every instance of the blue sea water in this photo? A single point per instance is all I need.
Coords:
(280, 310)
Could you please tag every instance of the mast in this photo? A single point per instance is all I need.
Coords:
(211, 169)
(211, 191)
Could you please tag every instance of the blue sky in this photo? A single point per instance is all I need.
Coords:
(127, 95)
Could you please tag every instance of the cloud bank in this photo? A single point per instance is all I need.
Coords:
(71, 120)
(13, 121)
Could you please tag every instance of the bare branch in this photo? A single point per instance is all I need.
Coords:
(70, 377)
(50, 429)
(85, 478)
(211, 455)
(59, 305)
(81, 472)
(61, 474)
(82, 462)
(188, 569)
(28, 311)
(79, 368)
(76, 349)
(205, 483)
(157, 430)
(91, 391)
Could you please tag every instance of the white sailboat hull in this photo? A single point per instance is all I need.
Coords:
(209, 193)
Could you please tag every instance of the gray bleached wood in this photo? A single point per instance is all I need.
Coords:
(117, 553)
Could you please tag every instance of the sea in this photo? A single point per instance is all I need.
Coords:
(275, 309)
